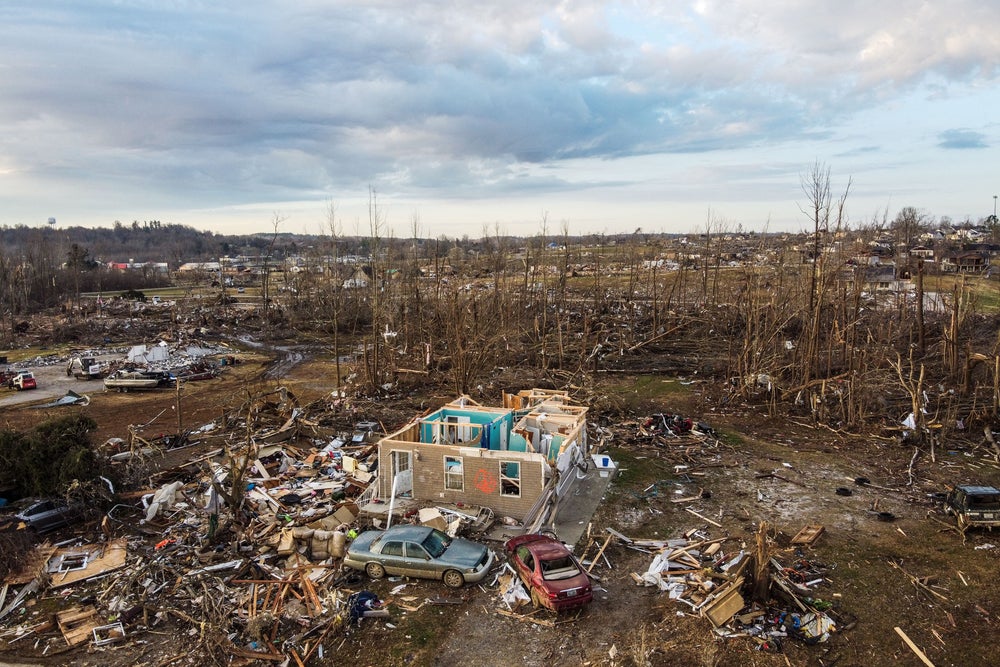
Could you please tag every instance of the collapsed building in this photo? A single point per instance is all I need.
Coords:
(517, 460)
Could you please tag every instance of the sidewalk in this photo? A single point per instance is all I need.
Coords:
(576, 510)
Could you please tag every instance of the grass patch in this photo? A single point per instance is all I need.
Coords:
(657, 386)
(985, 291)
(15, 356)
(730, 438)
(647, 394)
(425, 630)
(635, 473)
(988, 297)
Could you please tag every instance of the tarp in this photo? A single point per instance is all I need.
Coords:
(71, 398)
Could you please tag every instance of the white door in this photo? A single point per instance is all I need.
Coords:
(456, 433)
(402, 473)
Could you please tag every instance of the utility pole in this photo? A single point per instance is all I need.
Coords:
(177, 405)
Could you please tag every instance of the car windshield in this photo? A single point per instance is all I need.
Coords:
(436, 542)
(984, 500)
(558, 568)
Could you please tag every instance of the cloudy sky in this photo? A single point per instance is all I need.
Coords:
(470, 116)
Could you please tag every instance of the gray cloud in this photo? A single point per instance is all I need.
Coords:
(223, 103)
(962, 139)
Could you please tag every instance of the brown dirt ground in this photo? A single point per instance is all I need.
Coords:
(632, 625)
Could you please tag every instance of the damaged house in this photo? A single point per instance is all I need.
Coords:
(517, 460)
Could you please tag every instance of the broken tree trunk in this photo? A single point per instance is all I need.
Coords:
(762, 573)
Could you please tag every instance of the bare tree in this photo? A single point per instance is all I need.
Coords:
(77, 262)
(334, 285)
(908, 224)
(265, 277)
(377, 366)
(470, 324)
(822, 209)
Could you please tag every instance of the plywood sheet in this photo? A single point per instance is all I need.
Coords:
(104, 558)
(808, 534)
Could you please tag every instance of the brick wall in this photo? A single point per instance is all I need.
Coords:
(481, 475)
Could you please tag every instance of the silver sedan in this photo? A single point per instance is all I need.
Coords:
(419, 551)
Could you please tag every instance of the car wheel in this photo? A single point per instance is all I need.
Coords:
(375, 570)
(453, 579)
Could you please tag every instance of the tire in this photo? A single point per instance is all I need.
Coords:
(375, 570)
(453, 579)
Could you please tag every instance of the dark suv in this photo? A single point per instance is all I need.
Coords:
(974, 506)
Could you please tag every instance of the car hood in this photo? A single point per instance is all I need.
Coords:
(464, 553)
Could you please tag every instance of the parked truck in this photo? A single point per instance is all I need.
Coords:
(974, 506)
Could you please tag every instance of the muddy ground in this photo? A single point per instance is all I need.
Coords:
(772, 469)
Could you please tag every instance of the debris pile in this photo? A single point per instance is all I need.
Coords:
(663, 425)
(235, 543)
(246, 606)
(715, 580)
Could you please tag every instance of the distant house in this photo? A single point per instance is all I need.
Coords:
(361, 278)
(923, 252)
(884, 279)
(162, 268)
(966, 261)
(146, 267)
(208, 267)
(971, 234)
(984, 247)
(875, 278)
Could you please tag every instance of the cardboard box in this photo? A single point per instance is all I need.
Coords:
(433, 518)
(346, 513)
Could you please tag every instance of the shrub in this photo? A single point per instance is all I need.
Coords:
(47, 460)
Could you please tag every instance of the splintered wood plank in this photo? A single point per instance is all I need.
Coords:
(600, 552)
(809, 534)
(913, 647)
(76, 624)
(724, 607)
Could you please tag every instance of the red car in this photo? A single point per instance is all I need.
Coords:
(551, 573)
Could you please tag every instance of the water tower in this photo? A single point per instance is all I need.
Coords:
(52, 221)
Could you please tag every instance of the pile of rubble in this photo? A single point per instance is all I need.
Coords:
(240, 543)
(715, 579)
(234, 540)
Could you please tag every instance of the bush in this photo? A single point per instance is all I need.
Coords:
(15, 547)
(47, 460)
(133, 295)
